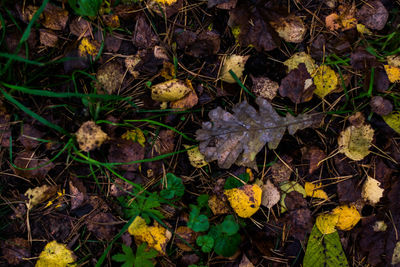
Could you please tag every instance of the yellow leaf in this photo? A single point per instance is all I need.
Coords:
(393, 60)
(166, 2)
(168, 70)
(236, 64)
(244, 200)
(188, 101)
(39, 194)
(326, 223)
(393, 73)
(89, 47)
(348, 217)
(314, 190)
(355, 142)
(393, 120)
(362, 29)
(136, 135)
(195, 157)
(301, 57)
(371, 191)
(155, 236)
(171, 90)
(325, 80)
(90, 136)
(56, 255)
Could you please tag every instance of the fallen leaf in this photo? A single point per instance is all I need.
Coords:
(143, 35)
(314, 155)
(371, 192)
(396, 254)
(171, 90)
(299, 222)
(29, 136)
(393, 73)
(165, 8)
(288, 187)
(281, 172)
(264, 87)
(237, 138)
(37, 167)
(393, 60)
(39, 194)
(155, 236)
(361, 59)
(236, 64)
(381, 106)
(15, 250)
(110, 76)
(290, 28)
(348, 217)
(135, 135)
(188, 236)
(78, 192)
(344, 20)
(245, 262)
(294, 201)
(126, 151)
(314, 190)
(205, 44)
(325, 80)
(165, 142)
(270, 195)
(327, 222)
(188, 101)
(48, 38)
(332, 22)
(102, 225)
(355, 142)
(300, 57)
(195, 157)
(348, 191)
(297, 85)
(56, 254)
(244, 200)
(363, 30)
(217, 205)
(90, 136)
(54, 17)
(168, 71)
(373, 14)
(393, 120)
(80, 27)
(380, 226)
(111, 20)
(89, 47)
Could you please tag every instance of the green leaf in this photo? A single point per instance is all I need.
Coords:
(128, 257)
(202, 200)
(175, 187)
(229, 225)
(197, 222)
(233, 182)
(88, 8)
(143, 257)
(224, 245)
(206, 243)
(142, 206)
(324, 250)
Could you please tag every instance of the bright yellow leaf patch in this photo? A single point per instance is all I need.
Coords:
(348, 217)
(56, 255)
(325, 80)
(245, 200)
(195, 157)
(393, 120)
(166, 2)
(136, 135)
(236, 64)
(326, 223)
(314, 190)
(393, 73)
(155, 236)
(88, 47)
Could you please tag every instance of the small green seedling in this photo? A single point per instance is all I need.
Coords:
(142, 258)
(175, 187)
(197, 222)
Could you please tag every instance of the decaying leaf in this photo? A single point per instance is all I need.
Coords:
(326, 223)
(244, 200)
(217, 205)
(236, 64)
(363, 30)
(188, 101)
(57, 255)
(37, 167)
(325, 80)
(188, 236)
(48, 38)
(122, 150)
(15, 250)
(270, 195)
(348, 217)
(264, 87)
(155, 236)
(54, 17)
(288, 187)
(301, 57)
(39, 194)
(195, 157)
(393, 73)
(88, 47)
(381, 106)
(355, 142)
(314, 190)
(393, 120)
(345, 20)
(314, 155)
(135, 135)
(171, 90)
(90, 136)
(373, 14)
(290, 28)
(237, 138)
(281, 170)
(110, 76)
(396, 254)
(371, 190)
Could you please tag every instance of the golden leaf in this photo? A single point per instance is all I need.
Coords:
(136, 135)
(90, 136)
(245, 200)
(325, 80)
(56, 255)
(301, 57)
(314, 190)
(171, 90)
(326, 223)
(236, 64)
(348, 217)
(393, 73)
(89, 47)
(195, 157)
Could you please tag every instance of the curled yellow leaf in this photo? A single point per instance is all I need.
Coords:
(348, 217)
(245, 200)
(314, 190)
(56, 255)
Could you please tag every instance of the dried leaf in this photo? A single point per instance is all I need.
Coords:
(290, 28)
(155, 236)
(264, 87)
(236, 64)
(325, 80)
(102, 225)
(371, 191)
(39, 194)
(188, 235)
(237, 138)
(327, 222)
(90, 136)
(217, 205)
(54, 17)
(381, 106)
(143, 36)
(270, 195)
(373, 14)
(171, 90)
(393, 120)
(297, 85)
(301, 57)
(244, 200)
(126, 151)
(355, 142)
(48, 38)
(110, 76)
(57, 255)
(348, 217)
(135, 135)
(314, 190)
(15, 250)
(195, 157)
(188, 101)
(393, 73)
(38, 167)
(396, 254)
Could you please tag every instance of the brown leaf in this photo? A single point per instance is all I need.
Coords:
(28, 136)
(314, 155)
(381, 80)
(112, 43)
(124, 151)
(238, 137)
(27, 159)
(102, 226)
(294, 200)
(165, 142)
(78, 192)
(80, 27)
(381, 106)
(205, 44)
(222, 4)
(110, 76)
(48, 38)
(373, 14)
(120, 187)
(299, 222)
(264, 87)
(297, 85)
(90, 136)
(280, 171)
(55, 18)
(290, 28)
(187, 234)
(362, 60)
(348, 191)
(371, 243)
(143, 36)
(5, 131)
(165, 9)
(15, 250)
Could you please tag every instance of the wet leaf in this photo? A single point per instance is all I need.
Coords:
(371, 191)
(217, 205)
(236, 64)
(171, 90)
(80, 27)
(102, 225)
(39, 194)
(327, 222)
(197, 222)
(237, 138)
(361, 59)
(324, 250)
(314, 190)
(270, 195)
(187, 235)
(348, 217)
(264, 87)
(301, 57)
(314, 155)
(126, 151)
(393, 120)
(355, 142)
(110, 76)
(244, 200)
(206, 243)
(28, 136)
(48, 38)
(78, 192)
(54, 17)
(156, 236)
(57, 255)
(195, 157)
(373, 14)
(143, 36)
(290, 28)
(393, 73)
(325, 80)
(90, 136)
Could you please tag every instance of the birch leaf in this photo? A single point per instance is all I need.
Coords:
(236, 64)
(371, 191)
(348, 217)
(326, 223)
(393, 120)
(56, 255)
(314, 190)
(245, 200)
(354, 141)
